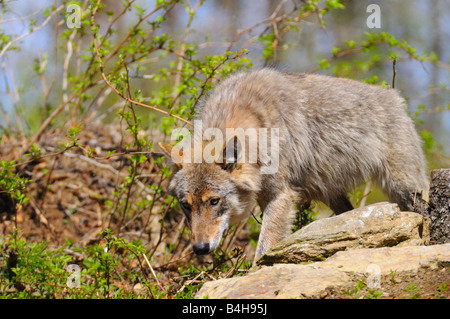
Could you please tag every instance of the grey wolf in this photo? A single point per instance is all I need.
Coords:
(334, 134)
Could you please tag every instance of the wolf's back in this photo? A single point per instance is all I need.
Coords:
(334, 133)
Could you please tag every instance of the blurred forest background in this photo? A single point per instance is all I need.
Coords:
(82, 106)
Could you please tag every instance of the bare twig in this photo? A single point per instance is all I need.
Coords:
(176, 260)
(344, 53)
(48, 88)
(93, 162)
(66, 63)
(21, 18)
(367, 191)
(153, 272)
(14, 97)
(6, 117)
(394, 61)
(44, 125)
(110, 84)
(42, 217)
(271, 21)
(10, 43)
(187, 31)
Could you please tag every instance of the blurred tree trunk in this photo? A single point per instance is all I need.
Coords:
(275, 59)
(435, 47)
(438, 207)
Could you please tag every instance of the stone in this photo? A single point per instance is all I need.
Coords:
(377, 225)
(387, 259)
(333, 254)
(339, 272)
(281, 281)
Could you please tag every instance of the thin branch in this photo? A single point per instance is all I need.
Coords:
(153, 272)
(42, 217)
(9, 44)
(394, 72)
(187, 30)
(13, 96)
(48, 88)
(21, 18)
(109, 83)
(44, 125)
(66, 63)
(6, 117)
(344, 53)
(367, 191)
(108, 30)
(272, 20)
(120, 45)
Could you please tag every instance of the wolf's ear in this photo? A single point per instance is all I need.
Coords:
(172, 153)
(231, 154)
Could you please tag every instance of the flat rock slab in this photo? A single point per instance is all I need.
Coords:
(387, 259)
(377, 225)
(280, 281)
(308, 281)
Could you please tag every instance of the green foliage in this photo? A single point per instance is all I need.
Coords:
(38, 270)
(355, 292)
(360, 289)
(428, 139)
(443, 287)
(334, 4)
(374, 294)
(35, 151)
(412, 289)
(30, 270)
(13, 184)
(367, 54)
(267, 42)
(72, 139)
(304, 217)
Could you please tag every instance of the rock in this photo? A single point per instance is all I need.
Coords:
(341, 271)
(377, 225)
(138, 288)
(387, 259)
(333, 254)
(280, 281)
(439, 208)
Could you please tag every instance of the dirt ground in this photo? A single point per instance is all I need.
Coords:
(74, 196)
(425, 284)
(68, 191)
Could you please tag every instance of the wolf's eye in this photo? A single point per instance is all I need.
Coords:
(186, 205)
(214, 201)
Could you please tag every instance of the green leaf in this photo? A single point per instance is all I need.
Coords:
(323, 64)
(351, 44)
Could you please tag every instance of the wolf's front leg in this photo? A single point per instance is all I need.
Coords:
(278, 215)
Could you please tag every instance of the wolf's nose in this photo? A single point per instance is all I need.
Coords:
(201, 248)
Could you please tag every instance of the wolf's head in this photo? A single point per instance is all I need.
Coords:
(212, 196)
